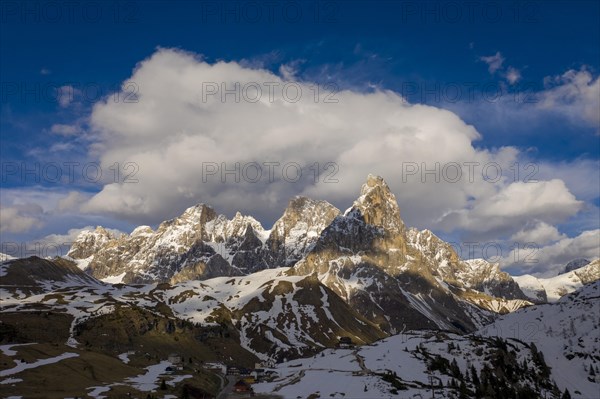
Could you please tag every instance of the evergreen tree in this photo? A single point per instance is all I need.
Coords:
(524, 366)
(566, 394)
(163, 385)
(455, 370)
(463, 393)
(474, 377)
(533, 349)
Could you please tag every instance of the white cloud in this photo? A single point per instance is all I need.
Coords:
(289, 71)
(513, 205)
(171, 131)
(22, 218)
(539, 233)
(61, 147)
(577, 175)
(494, 62)
(575, 94)
(573, 97)
(512, 75)
(71, 202)
(66, 95)
(28, 209)
(550, 260)
(66, 130)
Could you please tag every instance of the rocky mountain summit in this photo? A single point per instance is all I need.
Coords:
(399, 277)
(200, 244)
(575, 264)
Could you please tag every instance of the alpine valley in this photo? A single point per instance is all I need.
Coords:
(325, 304)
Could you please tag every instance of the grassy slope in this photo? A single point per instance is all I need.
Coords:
(152, 336)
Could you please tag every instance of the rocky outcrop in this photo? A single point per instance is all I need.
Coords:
(88, 243)
(575, 264)
(298, 229)
(201, 244)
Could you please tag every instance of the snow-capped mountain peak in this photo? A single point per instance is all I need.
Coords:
(378, 205)
(553, 288)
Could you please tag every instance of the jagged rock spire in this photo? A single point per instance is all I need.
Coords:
(378, 205)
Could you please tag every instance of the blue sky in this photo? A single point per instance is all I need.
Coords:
(531, 68)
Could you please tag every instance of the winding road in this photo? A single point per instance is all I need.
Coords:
(226, 388)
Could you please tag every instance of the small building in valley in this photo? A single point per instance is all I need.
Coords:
(258, 374)
(242, 387)
(175, 359)
(345, 343)
(216, 368)
(267, 364)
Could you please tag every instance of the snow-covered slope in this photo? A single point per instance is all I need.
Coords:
(4, 257)
(415, 365)
(278, 314)
(567, 332)
(539, 351)
(553, 288)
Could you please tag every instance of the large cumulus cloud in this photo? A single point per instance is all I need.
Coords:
(172, 129)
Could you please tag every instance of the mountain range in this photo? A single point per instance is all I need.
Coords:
(366, 255)
(317, 275)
